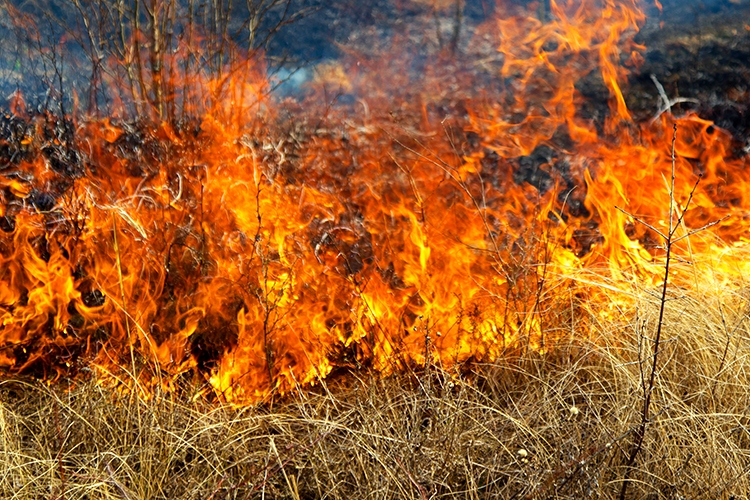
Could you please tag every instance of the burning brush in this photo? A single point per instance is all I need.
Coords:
(439, 219)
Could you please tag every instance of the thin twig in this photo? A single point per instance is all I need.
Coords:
(676, 218)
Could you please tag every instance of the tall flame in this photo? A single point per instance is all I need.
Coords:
(258, 254)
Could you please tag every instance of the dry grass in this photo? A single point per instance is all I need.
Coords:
(529, 426)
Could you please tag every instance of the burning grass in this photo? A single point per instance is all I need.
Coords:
(555, 425)
(431, 216)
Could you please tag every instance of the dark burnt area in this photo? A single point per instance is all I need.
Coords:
(585, 237)
(215, 335)
(41, 200)
(140, 149)
(548, 168)
(7, 224)
(59, 147)
(64, 160)
(700, 52)
(207, 347)
(32, 357)
(15, 140)
(594, 92)
(345, 245)
(536, 168)
(93, 298)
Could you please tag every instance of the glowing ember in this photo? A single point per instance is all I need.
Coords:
(257, 255)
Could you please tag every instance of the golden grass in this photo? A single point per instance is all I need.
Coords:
(556, 425)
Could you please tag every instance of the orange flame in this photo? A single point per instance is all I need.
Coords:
(257, 255)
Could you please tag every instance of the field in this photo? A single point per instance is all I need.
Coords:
(556, 425)
(469, 254)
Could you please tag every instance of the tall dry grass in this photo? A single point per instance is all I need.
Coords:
(554, 425)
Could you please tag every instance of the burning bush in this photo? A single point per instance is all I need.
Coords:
(428, 218)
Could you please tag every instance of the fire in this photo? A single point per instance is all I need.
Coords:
(257, 257)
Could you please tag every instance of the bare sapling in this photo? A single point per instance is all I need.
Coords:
(670, 238)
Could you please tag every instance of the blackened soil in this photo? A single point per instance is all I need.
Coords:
(699, 51)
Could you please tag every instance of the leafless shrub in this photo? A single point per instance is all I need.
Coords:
(156, 59)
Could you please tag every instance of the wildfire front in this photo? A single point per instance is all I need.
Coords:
(494, 195)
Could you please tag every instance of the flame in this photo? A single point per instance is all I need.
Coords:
(257, 257)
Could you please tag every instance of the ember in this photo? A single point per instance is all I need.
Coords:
(443, 218)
